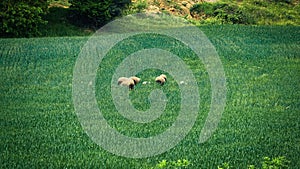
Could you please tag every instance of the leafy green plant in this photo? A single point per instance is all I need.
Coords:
(224, 166)
(225, 12)
(269, 12)
(202, 10)
(22, 18)
(275, 163)
(263, 12)
(59, 25)
(136, 7)
(95, 13)
(267, 163)
(230, 13)
(172, 164)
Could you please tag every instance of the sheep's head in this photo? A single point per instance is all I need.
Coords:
(135, 79)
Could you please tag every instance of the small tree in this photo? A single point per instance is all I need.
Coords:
(96, 13)
(20, 18)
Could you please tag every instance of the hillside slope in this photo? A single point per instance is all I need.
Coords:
(257, 12)
(175, 7)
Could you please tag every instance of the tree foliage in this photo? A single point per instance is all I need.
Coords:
(95, 13)
(21, 18)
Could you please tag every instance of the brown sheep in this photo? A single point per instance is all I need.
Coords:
(129, 82)
(135, 79)
(161, 79)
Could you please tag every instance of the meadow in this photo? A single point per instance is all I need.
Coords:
(40, 129)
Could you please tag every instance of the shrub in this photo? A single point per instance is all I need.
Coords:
(224, 12)
(202, 10)
(172, 164)
(231, 13)
(136, 7)
(276, 163)
(22, 18)
(96, 13)
(267, 163)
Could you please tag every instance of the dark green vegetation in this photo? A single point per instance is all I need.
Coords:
(96, 13)
(267, 163)
(39, 127)
(258, 12)
(21, 18)
(79, 17)
(59, 24)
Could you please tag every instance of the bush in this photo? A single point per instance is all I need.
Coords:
(231, 13)
(22, 18)
(96, 13)
(59, 25)
(136, 7)
(223, 12)
(172, 164)
(267, 163)
(276, 163)
(202, 10)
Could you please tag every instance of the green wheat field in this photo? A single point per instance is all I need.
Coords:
(40, 129)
